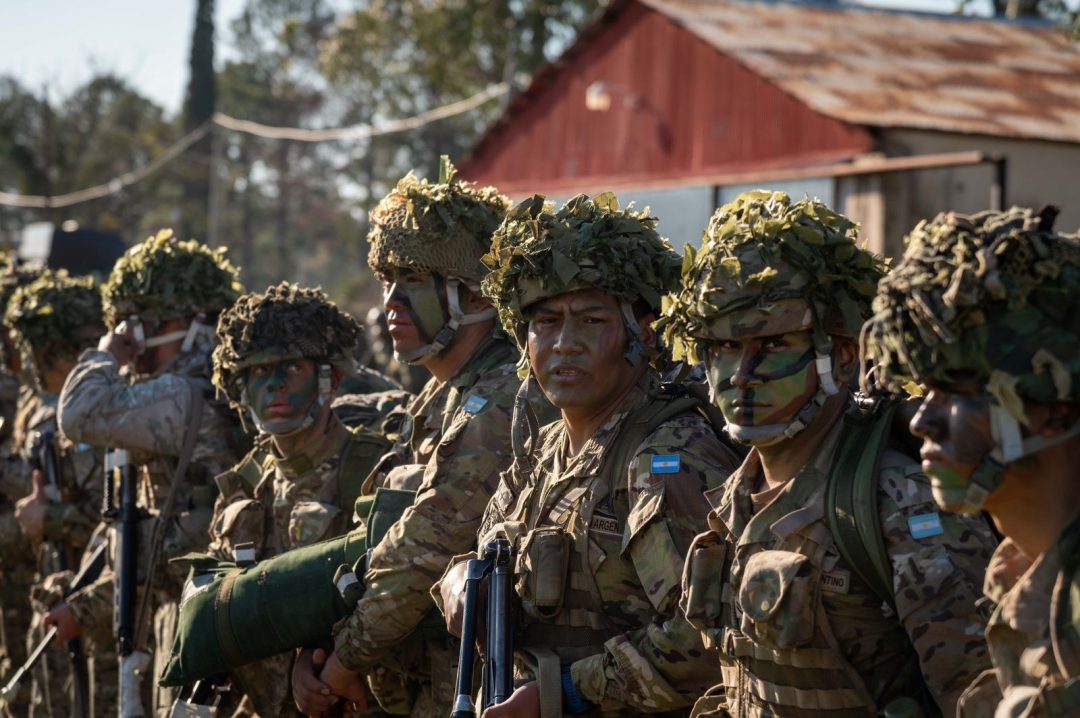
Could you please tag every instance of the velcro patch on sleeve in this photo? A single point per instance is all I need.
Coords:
(666, 464)
(475, 404)
(925, 525)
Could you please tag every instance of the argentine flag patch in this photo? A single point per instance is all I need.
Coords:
(475, 404)
(666, 464)
(925, 525)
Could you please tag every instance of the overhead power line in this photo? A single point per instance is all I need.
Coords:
(297, 134)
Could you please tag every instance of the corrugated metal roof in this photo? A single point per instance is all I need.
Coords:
(890, 69)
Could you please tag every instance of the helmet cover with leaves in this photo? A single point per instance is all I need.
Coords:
(14, 275)
(284, 323)
(163, 278)
(56, 316)
(539, 253)
(989, 298)
(439, 228)
(770, 266)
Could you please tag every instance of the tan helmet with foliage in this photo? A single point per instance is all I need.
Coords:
(163, 278)
(54, 318)
(284, 323)
(442, 229)
(12, 276)
(770, 266)
(539, 253)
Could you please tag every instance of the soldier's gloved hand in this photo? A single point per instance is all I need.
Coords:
(67, 624)
(30, 510)
(522, 703)
(345, 683)
(313, 697)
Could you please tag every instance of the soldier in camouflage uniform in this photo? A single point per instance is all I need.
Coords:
(426, 243)
(52, 320)
(772, 304)
(602, 511)
(280, 358)
(141, 390)
(16, 555)
(981, 313)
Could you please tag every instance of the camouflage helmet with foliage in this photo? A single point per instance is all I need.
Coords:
(56, 316)
(12, 276)
(539, 253)
(284, 323)
(163, 278)
(989, 298)
(442, 228)
(770, 266)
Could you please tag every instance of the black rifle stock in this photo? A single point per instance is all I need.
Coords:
(44, 459)
(496, 561)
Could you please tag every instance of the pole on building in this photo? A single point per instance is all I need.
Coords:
(998, 186)
(213, 209)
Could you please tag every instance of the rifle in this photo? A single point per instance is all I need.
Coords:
(496, 560)
(90, 571)
(132, 662)
(43, 458)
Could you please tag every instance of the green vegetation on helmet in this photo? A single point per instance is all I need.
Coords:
(12, 276)
(769, 266)
(284, 323)
(989, 298)
(56, 316)
(442, 228)
(163, 278)
(539, 252)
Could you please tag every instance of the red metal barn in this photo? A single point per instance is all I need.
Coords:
(891, 117)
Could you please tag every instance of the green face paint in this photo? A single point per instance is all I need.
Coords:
(415, 305)
(282, 394)
(762, 381)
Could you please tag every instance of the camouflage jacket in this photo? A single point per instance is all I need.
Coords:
(626, 530)
(770, 590)
(278, 503)
(1036, 659)
(460, 435)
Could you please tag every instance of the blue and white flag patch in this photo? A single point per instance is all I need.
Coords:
(925, 525)
(666, 464)
(475, 404)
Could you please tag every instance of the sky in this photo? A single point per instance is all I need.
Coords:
(54, 46)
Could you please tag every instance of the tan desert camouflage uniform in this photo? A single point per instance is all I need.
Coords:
(456, 442)
(617, 626)
(804, 635)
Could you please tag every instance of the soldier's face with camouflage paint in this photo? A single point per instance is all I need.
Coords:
(415, 304)
(759, 381)
(955, 429)
(576, 345)
(282, 391)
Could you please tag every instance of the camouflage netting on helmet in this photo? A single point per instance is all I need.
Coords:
(442, 228)
(286, 322)
(12, 276)
(56, 315)
(989, 298)
(163, 278)
(763, 256)
(539, 253)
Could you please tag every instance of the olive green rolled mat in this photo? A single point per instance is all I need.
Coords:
(232, 615)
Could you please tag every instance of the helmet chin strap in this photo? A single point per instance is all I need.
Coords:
(288, 427)
(636, 347)
(445, 336)
(769, 434)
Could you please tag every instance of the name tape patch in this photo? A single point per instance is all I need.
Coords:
(925, 525)
(838, 581)
(666, 464)
(475, 404)
(605, 524)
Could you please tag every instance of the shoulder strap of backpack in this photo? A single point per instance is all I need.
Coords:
(359, 456)
(851, 501)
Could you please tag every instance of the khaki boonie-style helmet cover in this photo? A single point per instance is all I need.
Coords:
(163, 278)
(286, 322)
(56, 315)
(442, 228)
(539, 253)
(768, 266)
(990, 297)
